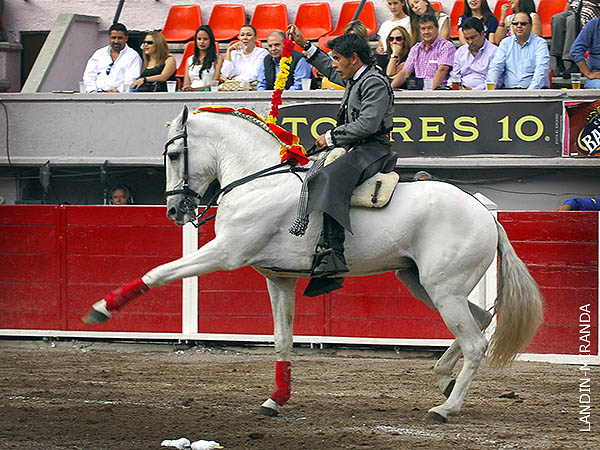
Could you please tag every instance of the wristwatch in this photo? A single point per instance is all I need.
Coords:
(394, 56)
(306, 46)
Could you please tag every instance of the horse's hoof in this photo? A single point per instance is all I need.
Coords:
(268, 412)
(449, 388)
(435, 417)
(98, 313)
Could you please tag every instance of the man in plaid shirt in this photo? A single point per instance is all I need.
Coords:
(432, 58)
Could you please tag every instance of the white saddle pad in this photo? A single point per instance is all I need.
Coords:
(374, 192)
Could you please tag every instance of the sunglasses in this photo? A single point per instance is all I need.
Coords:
(396, 38)
(109, 67)
(148, 42)
(523, 24)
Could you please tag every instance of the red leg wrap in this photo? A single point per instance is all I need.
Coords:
(121, 296)
(283, 383)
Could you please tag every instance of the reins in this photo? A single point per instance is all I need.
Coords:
(189, 194)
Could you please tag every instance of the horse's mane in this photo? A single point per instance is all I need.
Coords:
(248, 115)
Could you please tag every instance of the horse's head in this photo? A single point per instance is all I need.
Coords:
(188, 175)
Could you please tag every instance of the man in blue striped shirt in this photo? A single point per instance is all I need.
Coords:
(588, 40)
(522, 59)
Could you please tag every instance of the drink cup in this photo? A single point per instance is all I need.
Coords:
(455, 85)
(576, 81)
(214, 85)
(82, 88)
(428, 84)
(171, 86)
(306, 84)
(490, 85)
(125, 87)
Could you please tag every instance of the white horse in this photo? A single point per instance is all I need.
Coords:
(439, 240)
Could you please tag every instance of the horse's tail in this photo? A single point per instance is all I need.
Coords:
(521, 302)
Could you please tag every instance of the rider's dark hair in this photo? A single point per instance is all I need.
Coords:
(348, 44)
(118, 27)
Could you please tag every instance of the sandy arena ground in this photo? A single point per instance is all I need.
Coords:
(92, 396)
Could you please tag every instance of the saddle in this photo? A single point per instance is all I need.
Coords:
(375, 192)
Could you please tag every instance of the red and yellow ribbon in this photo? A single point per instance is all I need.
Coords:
(282, 77)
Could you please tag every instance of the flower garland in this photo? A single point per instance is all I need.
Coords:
(284, 73)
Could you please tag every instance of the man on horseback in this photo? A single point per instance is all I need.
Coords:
(364, 121)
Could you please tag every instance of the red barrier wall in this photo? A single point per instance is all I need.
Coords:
(55, 261)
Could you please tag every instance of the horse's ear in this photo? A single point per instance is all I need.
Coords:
(184, 115)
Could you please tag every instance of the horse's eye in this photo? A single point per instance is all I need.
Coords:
(173, 156)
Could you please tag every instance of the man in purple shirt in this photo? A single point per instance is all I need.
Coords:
(472, 60)
(432, 58)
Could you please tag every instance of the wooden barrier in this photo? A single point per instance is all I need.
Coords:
(56, 261)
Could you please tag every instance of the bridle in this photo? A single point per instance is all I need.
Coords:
(188, 204)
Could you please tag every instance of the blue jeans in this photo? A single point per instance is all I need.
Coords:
(592, 84)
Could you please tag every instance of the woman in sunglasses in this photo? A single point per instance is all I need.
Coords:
(398, 45)
(204, 65)
(159, 67)
(399, 18)
(504, 26)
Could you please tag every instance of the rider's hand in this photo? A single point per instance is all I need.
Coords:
(294, 34)
(321, 141)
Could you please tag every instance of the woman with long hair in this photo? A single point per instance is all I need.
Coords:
(204, 65)
(243, 58)
(504, 26)
(400, 17)
(420, 7)
(481, 10)
(158, 68)
(398, 45)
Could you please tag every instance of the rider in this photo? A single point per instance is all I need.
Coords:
(364, 121)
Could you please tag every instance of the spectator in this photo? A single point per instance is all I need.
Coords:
(589, 10)
(120, 195)
(564, 30)
(523, 58)
(422, 175)
(432, 58)
(481, 10)
(204, 65)
(299, 68)
(112, 66)
(504, 26)
(420, 7)
(159, 66)
(243, 58)
(588, 41)
(400, 18)
(581, 204)
(472, 60)
(398, 46)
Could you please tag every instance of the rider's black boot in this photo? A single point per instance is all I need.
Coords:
(329, 259)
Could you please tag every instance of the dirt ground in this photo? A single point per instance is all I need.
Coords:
(87, 395)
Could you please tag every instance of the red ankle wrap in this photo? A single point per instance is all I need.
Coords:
(283, 382)
(119, 297)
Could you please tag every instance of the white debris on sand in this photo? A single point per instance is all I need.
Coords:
(184, 444)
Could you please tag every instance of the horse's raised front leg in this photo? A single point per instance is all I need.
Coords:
(283, 294)
(208, 258)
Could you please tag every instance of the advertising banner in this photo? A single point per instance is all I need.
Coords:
(450, 129)
(584, 129)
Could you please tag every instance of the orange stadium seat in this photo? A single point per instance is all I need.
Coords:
(314, 20)
(498, 8)
(182, 22)
(546, 9)
(226, 20)
(437, 6)
(269, 17)
(367, 16)
(457, 10)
